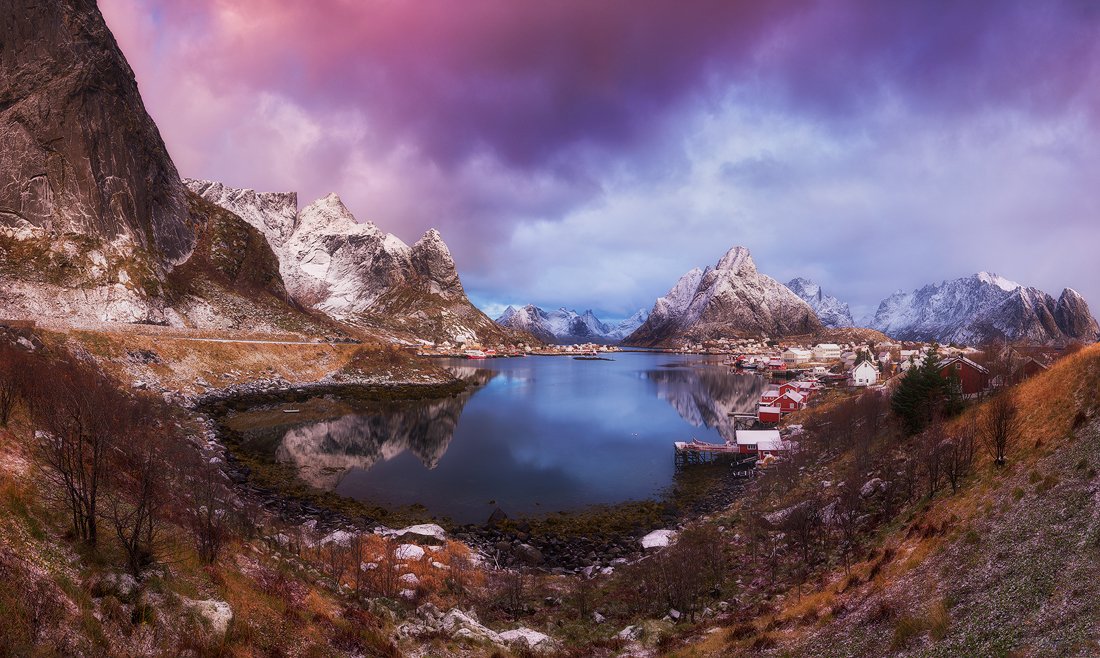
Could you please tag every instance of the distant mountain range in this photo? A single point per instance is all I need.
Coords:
(985, 307)
(566, 327)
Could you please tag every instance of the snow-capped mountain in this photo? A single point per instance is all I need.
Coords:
(832, 312)
(984, 307)
(729, 300)
(357, 273)
(566, 327)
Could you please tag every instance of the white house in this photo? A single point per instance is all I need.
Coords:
(762, 441)
(827, 352)
(864, 374)
(795, 355)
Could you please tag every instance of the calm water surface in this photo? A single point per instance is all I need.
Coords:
(532, 435)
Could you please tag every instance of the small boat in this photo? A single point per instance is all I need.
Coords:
(476, 354)
(291, 411)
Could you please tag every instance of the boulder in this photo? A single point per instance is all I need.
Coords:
(216, 614)
(528, 555)
(409, 552)
(528, 639)
(424, 533)
(658, 539)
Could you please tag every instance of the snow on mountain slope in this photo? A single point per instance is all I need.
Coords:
(357, 273)
(732, 299)
(984, 307)
(566, 327)
(832, 312)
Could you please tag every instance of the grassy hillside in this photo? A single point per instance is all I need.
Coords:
(1007, 565)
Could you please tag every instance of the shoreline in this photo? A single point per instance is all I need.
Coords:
(564, 541)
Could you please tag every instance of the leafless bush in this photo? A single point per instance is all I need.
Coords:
(383, 578)
(999, 425)
(204, 507)
(13, 371)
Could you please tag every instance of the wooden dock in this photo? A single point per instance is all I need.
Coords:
(699, 452)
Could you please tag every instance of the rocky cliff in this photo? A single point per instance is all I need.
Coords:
(729, 300)
(78, 152)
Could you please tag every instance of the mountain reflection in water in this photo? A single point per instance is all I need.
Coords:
(532, 435)
(325, 451)
(706, 396)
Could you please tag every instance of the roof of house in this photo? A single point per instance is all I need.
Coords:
(962, 359)
(752, 437)
(794, 395)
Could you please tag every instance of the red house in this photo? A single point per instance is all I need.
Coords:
(768, 414)
(974, 377)
(790, 401)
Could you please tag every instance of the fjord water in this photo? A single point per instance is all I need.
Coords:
(532, 435)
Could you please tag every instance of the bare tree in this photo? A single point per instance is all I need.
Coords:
(335, 556)
(205, 506)
(384, 580)
(13, 369)
(848, 517)
(355, 553)
(140, 482)
(999, 426)
(81, 416)
(959, 455)
(931, 446)
(802, 526)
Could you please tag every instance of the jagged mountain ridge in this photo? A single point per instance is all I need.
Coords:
(985, 307)
(567, 327)
(729, 300)
(832, 312)
(357, 273)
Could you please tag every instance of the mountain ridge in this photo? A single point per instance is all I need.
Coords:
(357, 273)
(983, 307)
(565, 327)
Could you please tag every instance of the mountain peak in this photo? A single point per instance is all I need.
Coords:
(328, 214)
(730, 300)
(739, 260)
(997, 280)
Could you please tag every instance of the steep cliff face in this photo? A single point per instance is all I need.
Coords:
(730, 300)
(1073, 317)
(78, 152)
(985, 307)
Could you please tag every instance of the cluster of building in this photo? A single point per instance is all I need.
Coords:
(786, 398)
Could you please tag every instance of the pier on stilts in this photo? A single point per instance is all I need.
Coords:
(699, 452)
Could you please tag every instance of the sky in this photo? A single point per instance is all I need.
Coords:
(586, 154)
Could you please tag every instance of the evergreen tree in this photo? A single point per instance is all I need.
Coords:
(922, 394)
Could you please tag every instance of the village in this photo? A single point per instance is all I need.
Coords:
(800, 375)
